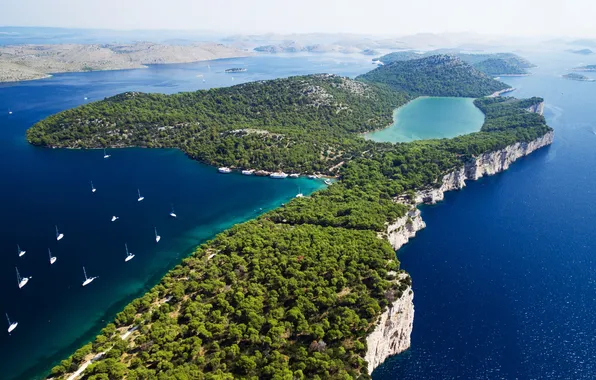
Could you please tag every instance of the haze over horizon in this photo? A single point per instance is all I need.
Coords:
(506, 17)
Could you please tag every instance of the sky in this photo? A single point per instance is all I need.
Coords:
(383, 17)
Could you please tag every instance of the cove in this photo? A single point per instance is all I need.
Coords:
(431, 118)
(44, 187)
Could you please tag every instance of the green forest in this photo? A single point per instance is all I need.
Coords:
(294, 293)
(437, 75)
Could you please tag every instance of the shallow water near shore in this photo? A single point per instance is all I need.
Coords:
(44, 187)
(431, 118)
(504, 275)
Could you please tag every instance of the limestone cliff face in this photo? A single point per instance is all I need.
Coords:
(392, 333)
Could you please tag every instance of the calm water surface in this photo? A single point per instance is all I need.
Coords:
(44, 187)
(431, 117)
(505, 273)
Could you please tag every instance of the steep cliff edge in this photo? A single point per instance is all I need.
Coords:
(392, 334)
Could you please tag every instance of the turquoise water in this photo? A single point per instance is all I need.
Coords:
(43, 187)
(430, 118)
(504, 275)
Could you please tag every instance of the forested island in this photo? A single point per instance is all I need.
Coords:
(490, 64)
(236, 70)
(578, 77)
(295, 293)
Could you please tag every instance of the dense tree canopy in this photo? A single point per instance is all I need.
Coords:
(294, 293)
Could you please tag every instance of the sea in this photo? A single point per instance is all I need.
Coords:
(504, 275)
(43, 188)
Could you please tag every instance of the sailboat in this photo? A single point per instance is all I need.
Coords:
(129, 256)
(20, 251)
(52, 258)
(21, 280)
(11, 326)
(115, 218)
(173, 214)
(157, 237)
(299, 195)
(93, 189)
(140, 198)
(88, 280)
(58, 234)
(105, 155)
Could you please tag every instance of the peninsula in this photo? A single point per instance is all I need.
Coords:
(588, 68)
(312, 289)
(27, 62)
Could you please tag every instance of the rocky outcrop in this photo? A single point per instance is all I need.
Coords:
(391, 335)
(404, 228)
(536, 108)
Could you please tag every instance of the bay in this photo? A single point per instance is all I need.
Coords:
(431, 118)
(42, 188)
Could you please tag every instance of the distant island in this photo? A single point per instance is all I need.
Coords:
(236, 70)
(582, 51)
(27, 62)
(587, 68)
(578, 77)
(312, 289)
(497, 64)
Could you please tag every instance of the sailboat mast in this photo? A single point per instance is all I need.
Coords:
(85, 272)
(56, 230)
(18, 274)
(50, 254)
(8, 319)
(18, 248)
(155, 228)
(126, 246)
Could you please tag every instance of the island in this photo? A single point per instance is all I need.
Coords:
(587, 68)
(27, 62)
(312, 289)
(578, 77)
(497, 64)
(582, 51)
(236, 70)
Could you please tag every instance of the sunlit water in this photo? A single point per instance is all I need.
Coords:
(505, 272)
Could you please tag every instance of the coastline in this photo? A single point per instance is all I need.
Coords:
(391, 335)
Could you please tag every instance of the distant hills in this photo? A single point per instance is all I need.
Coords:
(588, 68)
(582, 51)
(490, 64)
(437, 75)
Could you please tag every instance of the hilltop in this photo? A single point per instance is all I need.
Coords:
(438, 75)
(490, 64)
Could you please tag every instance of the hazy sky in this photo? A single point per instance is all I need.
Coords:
(395, 17)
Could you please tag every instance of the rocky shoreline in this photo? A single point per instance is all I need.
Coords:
(391, 335)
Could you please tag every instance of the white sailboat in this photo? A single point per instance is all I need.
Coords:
(299, 195)
(58, 234)
(93, 189)
(129, 256)
(10, 112)
(11, 326)
(20, 251)
(173, 214)
(22, 281)
(105, 155)
(52, 258)
(88, 280)
(140, 198)
(157, 237)
(115, 218)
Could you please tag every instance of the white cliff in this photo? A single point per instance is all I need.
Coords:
(392, 333)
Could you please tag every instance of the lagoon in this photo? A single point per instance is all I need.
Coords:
(431, 118)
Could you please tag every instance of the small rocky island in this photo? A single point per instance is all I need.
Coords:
(578, 77)
(586, 68)
(236, 70)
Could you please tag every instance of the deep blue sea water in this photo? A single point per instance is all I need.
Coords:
(43, 187)
(504, 275)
